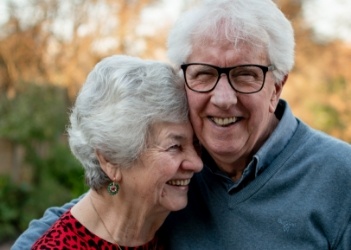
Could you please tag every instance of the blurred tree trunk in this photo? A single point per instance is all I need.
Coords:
(62, 43)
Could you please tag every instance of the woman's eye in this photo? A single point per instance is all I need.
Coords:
(174, 147)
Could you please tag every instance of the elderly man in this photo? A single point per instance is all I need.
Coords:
(269, 181)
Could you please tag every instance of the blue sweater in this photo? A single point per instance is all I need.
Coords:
(300, 198)
(295, 194)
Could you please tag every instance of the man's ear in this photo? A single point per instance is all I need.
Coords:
(278, 88)
(110, 169)
(284, 80)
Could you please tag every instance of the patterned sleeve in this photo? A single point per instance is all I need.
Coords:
(38, 227)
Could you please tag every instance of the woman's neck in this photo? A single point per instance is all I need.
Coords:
(126, 222)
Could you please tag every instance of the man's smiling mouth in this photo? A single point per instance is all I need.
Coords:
(224, 121)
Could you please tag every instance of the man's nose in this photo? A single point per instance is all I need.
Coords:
(224, 96)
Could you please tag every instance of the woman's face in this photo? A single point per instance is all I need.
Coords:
(160, 178)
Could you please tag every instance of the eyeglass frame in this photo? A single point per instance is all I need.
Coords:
(226, 71)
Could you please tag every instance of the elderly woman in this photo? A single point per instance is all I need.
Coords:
(130, 130)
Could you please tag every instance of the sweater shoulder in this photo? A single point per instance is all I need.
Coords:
(317, 150)
(311, 139)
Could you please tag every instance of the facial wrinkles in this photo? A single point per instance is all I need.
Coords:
(226, 102)
(221, 52)
(223, 96)
(156, 168)
(253, 109)
(179, 136)
(263, 121)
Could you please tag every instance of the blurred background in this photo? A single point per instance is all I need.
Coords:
(47, 48)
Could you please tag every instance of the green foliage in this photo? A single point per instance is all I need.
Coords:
(37, 113)
(36, 119)
(13, 198)
(336, 85)
(327, 118)
(60, 178)
(66, 170)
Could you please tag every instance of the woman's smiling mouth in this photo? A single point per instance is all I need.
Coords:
(183, 182)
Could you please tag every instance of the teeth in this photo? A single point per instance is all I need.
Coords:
(179, 182)
(224, 121)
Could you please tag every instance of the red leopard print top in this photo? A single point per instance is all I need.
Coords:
(68, 233)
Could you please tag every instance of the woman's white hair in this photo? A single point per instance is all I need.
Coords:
(121, 99)
(258, 22)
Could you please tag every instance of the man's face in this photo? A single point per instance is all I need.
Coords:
(232, 126)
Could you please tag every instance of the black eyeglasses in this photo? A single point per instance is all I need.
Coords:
(246, 79)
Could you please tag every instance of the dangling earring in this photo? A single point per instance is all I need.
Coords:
(112, 188)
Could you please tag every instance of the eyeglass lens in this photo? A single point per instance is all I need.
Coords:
(245, 79)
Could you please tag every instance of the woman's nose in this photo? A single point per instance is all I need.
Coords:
(193, 162)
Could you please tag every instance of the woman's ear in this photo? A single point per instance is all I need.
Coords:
(111, 170)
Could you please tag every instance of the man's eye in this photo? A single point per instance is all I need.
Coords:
(243, 73)
(204, 74)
